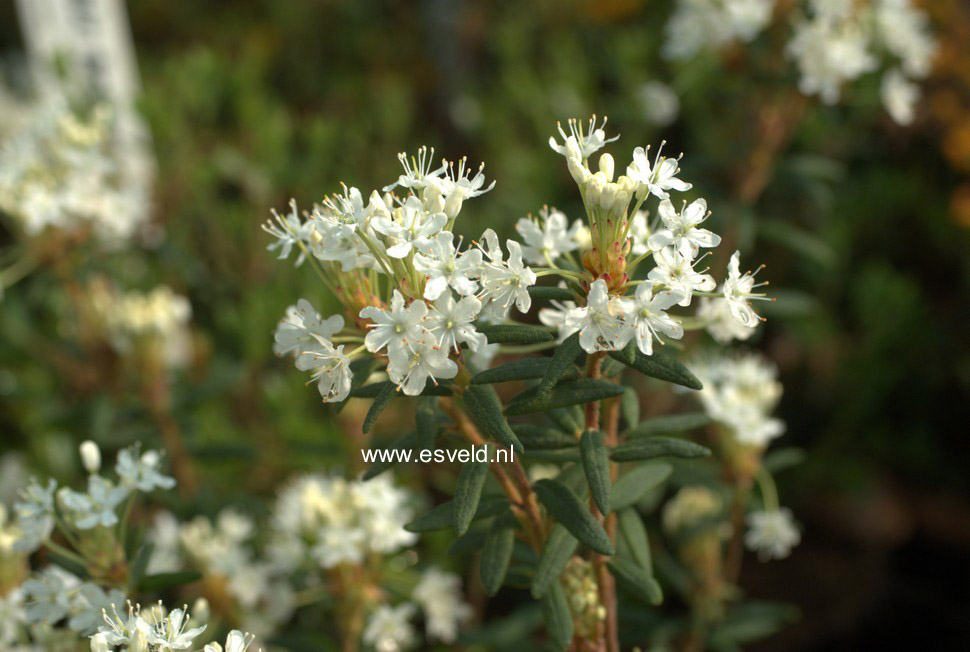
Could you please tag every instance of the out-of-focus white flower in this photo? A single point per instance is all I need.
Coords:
(660, 103)
(899, 96)
(94, 508)
(289, 231)
(35, 515)
(639, 233)
(439, 594)
(905, 31)
(140, 471)
(548, 237)
(699, 25)
(772, 534)
(829, 52)
(647, 317)
(90, 456)
(389, 628)
(600, 322)
(689, 507)
(719, 322)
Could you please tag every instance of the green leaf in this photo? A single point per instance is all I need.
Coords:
(162, 581)
(633, 536)
(468, 491)
(426, 422)
(441, 517)
(568, 419)
(553, 455)
(783, 458)
(660, 366)
(377, 467)
(514, 334)
(469, 542)
(497, 553)
(529, 368)
(551, 293)
(630, 406)
(636, 580)
(559, 547)
(635, 483)
(384, 396)
(139, 564)
(565, 507)
(648, 448)
(557, 617)
(576, 392)
(374, 389)
(596, 464)
(561, 361)
(485, 409)
(669, 424)
(535, 436)
(68, 564)
(611, 367)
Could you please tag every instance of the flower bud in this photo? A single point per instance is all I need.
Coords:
(578, 171)
(90, 456)
(607, 166)
(200, 610)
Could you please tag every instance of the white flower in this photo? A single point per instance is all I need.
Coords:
(739, 290)
(439, 595)
(408, 227)
(94, 508)
(330, 367)
(457, 186)
(141, 472)
(716, 316)
(899, 95)
(660, 103)
(35, 515)
(417, 171)
(173, 632)
(581, 143)
(555, 317)
(647, 317)
(302, 327)
(905, 31)
(332, 240)
(658, 178)
(389, 629)
(682, 233)
(600, 322)
(289, 230)
(47, 595)
(444, 267)
(772, 534)
(393, 329)
(829, 52)
(711, 24)
(411, 367)
(505, 283)
(482, 358)
(677, 273)
(236, 641)
(548, 238)
(450, 323)
(639, 233)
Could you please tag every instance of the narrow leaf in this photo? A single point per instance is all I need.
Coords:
(426, 422)
(161, 581)
(559, 547)
(561, 361)
(648, 448)
(557, 617)
(514, 334)
(139, 564)
(596, 464)
(468, 491)
(669, 424)
(360, 370)
(388, 391)
(634, 484)
(524, 369)
(568, 419)
(441, 517)
(497, 553)
(551, 293)
(636, 580)
(633, 535)
(660, 366)
(379, 465)
(576, 392)
(485, 409)
(535, 436)
(630, 407)
(565, 507)
(553, 455)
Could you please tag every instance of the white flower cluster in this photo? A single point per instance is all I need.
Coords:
(225, 553)
(772, 533)
(610, 320)
(698, 25)
(57, 171)
(158, 319)
(334, 521)
(833, 42)
(741, 391)
(158, 629)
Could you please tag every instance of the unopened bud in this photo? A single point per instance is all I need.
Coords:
(607, 166)
(90, 456)
(200, 610)
(579, 171)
